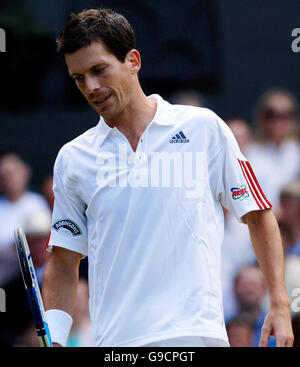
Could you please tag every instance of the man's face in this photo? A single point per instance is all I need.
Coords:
(242, 133)
(105, 82)
(290, 210)
(250, 286)
(14, 176)
(278, 118)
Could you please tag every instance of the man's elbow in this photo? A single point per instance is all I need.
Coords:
(256, 217)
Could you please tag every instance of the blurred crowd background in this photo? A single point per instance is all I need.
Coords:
(230, 56)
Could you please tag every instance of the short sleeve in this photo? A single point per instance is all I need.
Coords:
(68, 227)
(237, 186)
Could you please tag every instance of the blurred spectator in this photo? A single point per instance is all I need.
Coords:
(16, 205)
(189, 97)
(18, 324)
(288, 216)
(19, 329)
(80, 335)
(47, 190)
(240, 332)
(250, 288)
(277, 147)
(37, 229)
(242, 132)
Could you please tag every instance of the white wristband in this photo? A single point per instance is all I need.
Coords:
(59, 323)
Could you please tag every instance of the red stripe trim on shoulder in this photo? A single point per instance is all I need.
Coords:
(253, 195)
(257, 184)
(254, 186)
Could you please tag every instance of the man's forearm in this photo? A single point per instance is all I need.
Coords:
(59, 293)
(60, 286)
(266, 240)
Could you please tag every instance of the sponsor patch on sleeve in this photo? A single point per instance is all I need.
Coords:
(239, 193)
(69, 225)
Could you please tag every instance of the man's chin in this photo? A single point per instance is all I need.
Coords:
(102, 112)
(109, 114)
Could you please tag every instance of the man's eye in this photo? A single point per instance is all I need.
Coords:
(98, 71)
(78, 77)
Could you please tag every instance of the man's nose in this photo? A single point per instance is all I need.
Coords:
(91, 84)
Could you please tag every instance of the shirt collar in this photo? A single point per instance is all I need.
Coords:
(103, 130)
(163, 117)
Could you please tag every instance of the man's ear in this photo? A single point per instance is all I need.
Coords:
(134, 59)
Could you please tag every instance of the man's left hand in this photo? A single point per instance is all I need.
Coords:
(277, 323)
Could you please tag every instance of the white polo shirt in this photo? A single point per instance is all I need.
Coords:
(151, 222)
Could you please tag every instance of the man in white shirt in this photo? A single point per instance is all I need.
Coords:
(141, 195)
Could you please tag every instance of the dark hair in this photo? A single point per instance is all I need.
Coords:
(92, 25)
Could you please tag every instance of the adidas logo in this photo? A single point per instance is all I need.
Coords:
(179, 138)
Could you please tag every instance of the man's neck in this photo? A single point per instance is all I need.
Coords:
(133, 121)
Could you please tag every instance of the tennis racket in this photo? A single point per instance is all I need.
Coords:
(32, 288)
